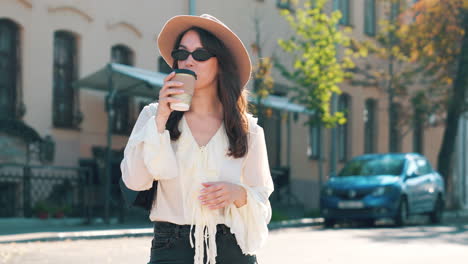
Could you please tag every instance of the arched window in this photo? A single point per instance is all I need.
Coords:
(370, 17)
(370, 126)
(344, 105)
(315, 138)
(418, 130)
(395, 134)
(283, 4)
(123, 55)
(395, 9)
(9, 69)
(345, 9)
(65, 101)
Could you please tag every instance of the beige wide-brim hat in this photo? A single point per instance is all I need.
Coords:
(178, 24)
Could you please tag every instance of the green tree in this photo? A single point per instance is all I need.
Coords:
(316, 69)
(441, 47)
(262, 80)
(388, 68)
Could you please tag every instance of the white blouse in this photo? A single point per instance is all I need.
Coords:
(181, 166)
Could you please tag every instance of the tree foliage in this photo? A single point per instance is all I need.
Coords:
(316, 69)
(434, 44)
(263, 81)
(438, 40)
(389, 67)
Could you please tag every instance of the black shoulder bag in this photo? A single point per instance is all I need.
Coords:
(142, 199)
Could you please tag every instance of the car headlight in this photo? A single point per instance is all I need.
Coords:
(379, 191)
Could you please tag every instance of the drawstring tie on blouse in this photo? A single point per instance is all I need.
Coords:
(203, 218)
(205, 235)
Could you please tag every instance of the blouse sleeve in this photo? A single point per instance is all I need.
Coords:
(249, 222)
(148, 155)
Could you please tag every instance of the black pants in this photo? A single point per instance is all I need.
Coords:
(171, 244)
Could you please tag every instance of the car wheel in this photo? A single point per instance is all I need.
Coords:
(402, 214)
(329, 223)
(436, 215)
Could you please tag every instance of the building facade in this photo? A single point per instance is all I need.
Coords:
(46, 45)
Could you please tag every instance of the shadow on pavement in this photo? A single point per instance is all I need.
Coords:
(457, 234)
(418, 229)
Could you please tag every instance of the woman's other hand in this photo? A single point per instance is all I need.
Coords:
(217, 195)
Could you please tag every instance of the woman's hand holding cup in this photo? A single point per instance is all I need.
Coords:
(164, 110)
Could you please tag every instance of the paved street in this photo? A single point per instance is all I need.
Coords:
(383, 245)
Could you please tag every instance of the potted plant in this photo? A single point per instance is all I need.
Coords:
(42, 209)
(61, 211)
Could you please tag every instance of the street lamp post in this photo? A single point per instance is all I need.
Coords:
(110, 121)
(192, 7)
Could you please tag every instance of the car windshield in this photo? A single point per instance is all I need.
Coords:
(373, 167)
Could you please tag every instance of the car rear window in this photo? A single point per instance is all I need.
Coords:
(373, 167)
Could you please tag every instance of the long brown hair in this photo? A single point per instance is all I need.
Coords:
(230, 93)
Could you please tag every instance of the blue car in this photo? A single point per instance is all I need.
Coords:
(376, 186)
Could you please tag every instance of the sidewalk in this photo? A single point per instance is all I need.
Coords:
(22, 230)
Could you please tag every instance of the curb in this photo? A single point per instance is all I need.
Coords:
(80, 235)
(119, 233)
(303, 222)
(456, 214)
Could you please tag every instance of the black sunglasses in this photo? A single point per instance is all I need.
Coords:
(198, 55)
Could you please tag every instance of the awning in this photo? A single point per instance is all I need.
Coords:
(125, 80)
(18, 128)
(281, 103)
(145, 83)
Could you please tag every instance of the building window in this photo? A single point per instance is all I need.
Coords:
(370, 126)
(418, 131)
(65, 71)
(343, 130)
(344, 8)
(9, 68)
(283, 4)
(395, 9)
(163, 66)
(123, 55)
(395, 137)
(313, 150)
(369, 17)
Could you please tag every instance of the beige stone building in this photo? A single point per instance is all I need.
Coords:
(47, 44)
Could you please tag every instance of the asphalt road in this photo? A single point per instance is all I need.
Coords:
(349, 244)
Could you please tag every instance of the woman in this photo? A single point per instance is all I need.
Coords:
(210, 162)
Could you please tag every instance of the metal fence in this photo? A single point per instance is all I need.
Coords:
(44, 191)
(52, 191)
(283, 194)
